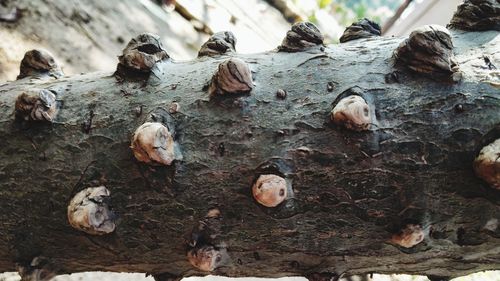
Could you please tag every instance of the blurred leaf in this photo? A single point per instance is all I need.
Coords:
(312, 18)
(361, 10)
(324, 3)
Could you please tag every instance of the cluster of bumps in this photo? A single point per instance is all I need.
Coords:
(428, 51)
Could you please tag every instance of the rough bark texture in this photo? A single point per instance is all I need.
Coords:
(350, 191)
(91, 33)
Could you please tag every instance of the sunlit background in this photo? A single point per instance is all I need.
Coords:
(95, 32)
(396, 17)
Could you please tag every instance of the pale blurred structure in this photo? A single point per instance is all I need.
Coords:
(423, 12)
(257, 26)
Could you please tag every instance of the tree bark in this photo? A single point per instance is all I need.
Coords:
(351, 191)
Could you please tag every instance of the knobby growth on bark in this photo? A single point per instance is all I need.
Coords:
(375, 155)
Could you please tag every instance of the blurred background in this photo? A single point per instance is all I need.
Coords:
(88, 35)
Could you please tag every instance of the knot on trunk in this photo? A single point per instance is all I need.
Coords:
(89, 211)
(429, 50)
(352, 111)
(207, 257)
(477, 15)
(39, 269)
(409, 236)
(141, 54)
(39, 64)
(487, 164)
(303, 35)
(37, 107)
(362, 29)
(154, 144)
(232, 77)
(270, 190)
(204, 251)
(218, 44)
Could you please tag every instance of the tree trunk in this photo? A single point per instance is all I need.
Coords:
(350, 190)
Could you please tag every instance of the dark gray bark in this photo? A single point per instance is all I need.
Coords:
(351, 191)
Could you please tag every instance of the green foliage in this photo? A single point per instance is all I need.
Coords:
(360, 10)
(312, 18)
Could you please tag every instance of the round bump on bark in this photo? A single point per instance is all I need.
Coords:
(353, 113)
(207, 230)
(303, 35)
(153, 144)
(232, 77)
(142, 53)
(409, 236)
(174, 107)
(165, 276)
(392, 77)
(491, 225)
(89, 212)
(39, 64)
(138, 111)
(269, 190)
(487, 164)
(477, 15)
(40, 269)
(429, 50)
(330, 86)
(213, 213)
(324, 276)
(218, 44)
(362, 29)
(207, 258)
(438, 278)
(459, 108)
(281, 94)
(39, 107)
